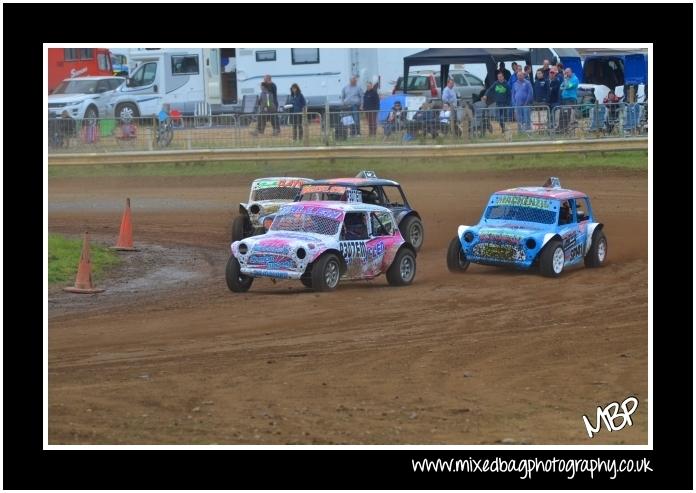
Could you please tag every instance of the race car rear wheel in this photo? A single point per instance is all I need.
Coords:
(412, 230)
(326, 273)
(598, 250)
(236, 281)
(241, 228)
(403, 269)
(552, 259)
(456, 258)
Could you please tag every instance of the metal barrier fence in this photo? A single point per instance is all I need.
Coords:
(195, 132)
(428, 125)
(558, 121)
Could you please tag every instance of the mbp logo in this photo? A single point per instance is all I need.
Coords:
(609, 414)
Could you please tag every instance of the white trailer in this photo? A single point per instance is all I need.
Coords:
(221, 77)
(321, 73)
(180, 77)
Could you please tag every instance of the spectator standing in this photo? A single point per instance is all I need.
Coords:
(528, 73)
(505, 72)
(513, 77)
(275, 122)
(545, 69)
(559, 68)
(514, 68)
(499, 92)
(449, 95)
(352, 96)
(541, 89)
(371, 106)
(298, 104)
(569, 87)
(267, 108)
(612, 104)
(482, 121)
(522, 97)
(554, 91)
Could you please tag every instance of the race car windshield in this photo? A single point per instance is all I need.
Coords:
(275, 193)
(519, 213)
(305, 223)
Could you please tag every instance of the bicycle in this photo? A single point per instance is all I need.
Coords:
(165, 131)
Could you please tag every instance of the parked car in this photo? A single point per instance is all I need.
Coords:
(548, 226)
(84, 97)
(466, 85)
(265, 197)
(320, 243)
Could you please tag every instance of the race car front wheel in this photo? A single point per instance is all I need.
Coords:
(552, 259)
(326, 273)
(236, 281)
(598, 250)
(456, 258)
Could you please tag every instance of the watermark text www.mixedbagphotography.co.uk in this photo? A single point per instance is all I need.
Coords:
(609, 415)
(527, 467)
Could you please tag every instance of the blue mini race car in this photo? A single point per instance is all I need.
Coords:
(548, 226)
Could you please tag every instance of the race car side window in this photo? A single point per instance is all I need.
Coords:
(394, 198)
(565, 214)
(382, 224)
(582, 210)
(354, 226)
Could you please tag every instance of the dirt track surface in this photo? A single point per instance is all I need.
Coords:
(168, 355)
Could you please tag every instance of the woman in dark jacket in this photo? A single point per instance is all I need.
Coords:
(298, 103)
(371, 105)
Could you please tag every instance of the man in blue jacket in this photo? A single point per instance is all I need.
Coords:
(569, 87)
(522, 97)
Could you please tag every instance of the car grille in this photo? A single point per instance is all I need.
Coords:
(501, 252)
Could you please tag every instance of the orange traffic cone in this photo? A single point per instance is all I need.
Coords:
(83, 280)
(125, 235)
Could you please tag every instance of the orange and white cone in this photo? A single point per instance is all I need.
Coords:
(83, 280)
(125, 235)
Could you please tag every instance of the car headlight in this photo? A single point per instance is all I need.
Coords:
(255, 209)
(468, 236)
(243, 248)
(301, 253)
(531, 243)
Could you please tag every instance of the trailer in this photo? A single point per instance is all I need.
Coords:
(219, 78)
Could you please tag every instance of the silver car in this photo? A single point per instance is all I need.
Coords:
(427, 84)
(84, 97)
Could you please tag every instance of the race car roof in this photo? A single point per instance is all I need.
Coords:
(545, 192)
(286, 178)
(334, 205)
(356, 182)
